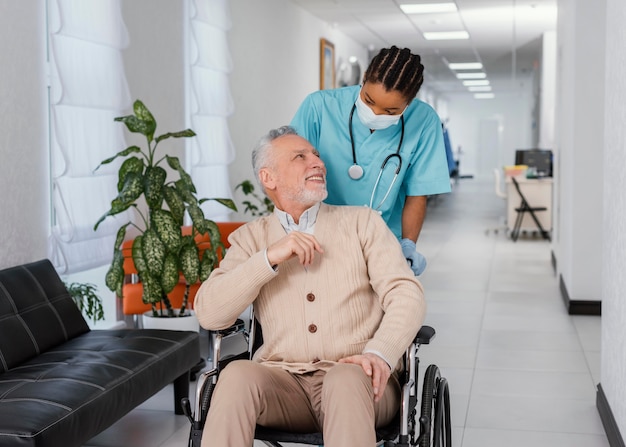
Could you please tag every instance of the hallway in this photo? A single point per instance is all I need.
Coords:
(522, 372)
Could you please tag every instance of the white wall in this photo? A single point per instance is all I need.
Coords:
(154, 64)
(275, 50)
(512, 111)
(580, 141)
(24, 169)
(613, 373)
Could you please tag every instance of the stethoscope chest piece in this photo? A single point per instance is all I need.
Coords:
(355, 172)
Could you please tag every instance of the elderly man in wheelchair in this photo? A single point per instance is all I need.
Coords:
(339, 309)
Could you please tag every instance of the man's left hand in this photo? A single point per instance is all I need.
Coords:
(375, 367)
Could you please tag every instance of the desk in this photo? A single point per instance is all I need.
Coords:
(538, 192)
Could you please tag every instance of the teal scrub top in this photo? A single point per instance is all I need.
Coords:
(323, 119)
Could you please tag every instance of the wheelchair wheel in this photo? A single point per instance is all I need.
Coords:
(205, 401)
(435, 429)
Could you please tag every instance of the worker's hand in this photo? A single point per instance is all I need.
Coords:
(375, 367)
(416, 260)
(298, 244)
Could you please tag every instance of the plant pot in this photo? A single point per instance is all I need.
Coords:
(186, 323)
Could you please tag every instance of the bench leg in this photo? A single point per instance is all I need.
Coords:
(181, 389)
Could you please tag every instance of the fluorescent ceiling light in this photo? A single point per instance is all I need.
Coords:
(478, 82)
(471, 75)
(447, 35)
(480, 88)
(465, 66)
(428, 8)
(484, 95)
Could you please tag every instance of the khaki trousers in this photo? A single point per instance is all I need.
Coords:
(339, 403)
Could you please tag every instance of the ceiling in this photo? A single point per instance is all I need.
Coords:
(504, 35)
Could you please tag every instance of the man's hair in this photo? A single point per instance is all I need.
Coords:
(260, 153)
(397, 70)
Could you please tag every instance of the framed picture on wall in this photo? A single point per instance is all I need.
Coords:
(327, 64)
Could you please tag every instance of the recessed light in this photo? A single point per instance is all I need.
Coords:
(478, 82)
(484, 96)
(471, 75)
(428, 8)
(465, 66)
(480, 88)
(447, 35)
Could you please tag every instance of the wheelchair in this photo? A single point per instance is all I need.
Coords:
(431, 429)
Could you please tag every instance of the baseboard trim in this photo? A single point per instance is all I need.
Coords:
(578, 307)
(608, 420)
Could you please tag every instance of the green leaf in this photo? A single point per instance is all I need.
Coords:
(131, 165)
(138, 258)
(134, 124)
(153, 252)
(131, 190)
(114, 278)
(190, 262)
(142, 112)
(121, 234)
(197, 217)
(185, 182)
(180, 134)
(152, 290)
(153, 183)
(170, 276)
(124, 153)
(175, 203)
(246, 187)
(168, 230)
(208, 263)
(228, 203)
(214, 233)
(185, 192)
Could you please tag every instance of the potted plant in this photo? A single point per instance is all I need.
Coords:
(257, 206)
(162, 253)
(87, 299)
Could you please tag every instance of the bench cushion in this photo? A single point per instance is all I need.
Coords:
(62, 383)
(70, 393)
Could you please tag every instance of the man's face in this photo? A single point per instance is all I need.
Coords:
(298, 174)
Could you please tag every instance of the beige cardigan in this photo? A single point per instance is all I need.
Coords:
(358, 295)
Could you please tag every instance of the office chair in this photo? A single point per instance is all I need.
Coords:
(526, 208)
(431, 429)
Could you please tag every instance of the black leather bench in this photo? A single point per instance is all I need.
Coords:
(62, 383)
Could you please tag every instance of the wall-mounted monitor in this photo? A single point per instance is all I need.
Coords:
(540, 159)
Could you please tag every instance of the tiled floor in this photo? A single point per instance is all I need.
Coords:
(521, 371)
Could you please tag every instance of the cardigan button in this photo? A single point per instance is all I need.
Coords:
(312, 328)
(310, 297)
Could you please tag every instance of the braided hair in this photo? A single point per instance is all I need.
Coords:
(397, 70)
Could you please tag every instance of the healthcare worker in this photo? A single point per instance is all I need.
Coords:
(382, 147)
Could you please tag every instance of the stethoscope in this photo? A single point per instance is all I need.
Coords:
(356, 171)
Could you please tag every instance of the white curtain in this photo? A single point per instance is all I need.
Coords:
(88, 89)
(210, 102)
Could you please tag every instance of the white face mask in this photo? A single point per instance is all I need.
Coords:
(371, 120)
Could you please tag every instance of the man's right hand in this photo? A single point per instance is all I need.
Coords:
(302, 245)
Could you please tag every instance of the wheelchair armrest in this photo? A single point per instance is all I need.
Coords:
(238, 326)
(424, 335)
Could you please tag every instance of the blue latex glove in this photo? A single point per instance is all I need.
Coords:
(416, 260)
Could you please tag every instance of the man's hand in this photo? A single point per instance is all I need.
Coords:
(375, 367)
(298, 244)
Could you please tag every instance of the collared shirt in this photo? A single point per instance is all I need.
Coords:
(306, 224)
